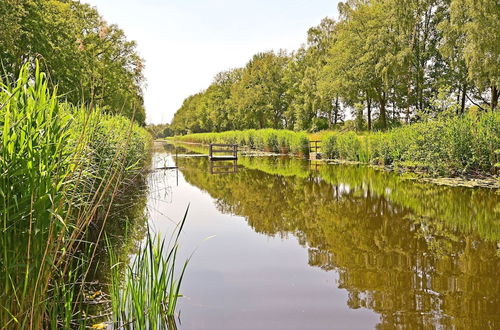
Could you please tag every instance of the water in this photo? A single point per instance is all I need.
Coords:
(285, 244)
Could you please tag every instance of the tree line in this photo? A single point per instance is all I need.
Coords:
(383, 63)
(90, 61)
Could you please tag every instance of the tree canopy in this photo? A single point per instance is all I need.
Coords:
(89, 60)
(382, 63)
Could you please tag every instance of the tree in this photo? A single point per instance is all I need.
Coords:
(259, 96)
(89, 60)
(380, 54)
(473, 29)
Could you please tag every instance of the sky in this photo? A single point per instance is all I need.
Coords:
(185, 43)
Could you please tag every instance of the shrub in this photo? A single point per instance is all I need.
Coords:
(444, 146)
(329, 145)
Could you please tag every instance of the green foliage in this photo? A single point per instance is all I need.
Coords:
(444, 146)
(278, 141)
(89, 60)
(471, 41)
(60, 166)
(384, 61)
(159, 131)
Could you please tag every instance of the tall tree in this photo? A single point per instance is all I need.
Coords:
(473, 27)
(89, 60)
(259, 96)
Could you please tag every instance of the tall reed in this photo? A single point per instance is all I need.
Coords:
(144, 293)
(455, 145)
(61, 167)
(271, 140)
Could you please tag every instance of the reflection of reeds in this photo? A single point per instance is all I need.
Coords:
(147, 297)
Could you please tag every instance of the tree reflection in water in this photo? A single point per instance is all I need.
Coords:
(422, 256)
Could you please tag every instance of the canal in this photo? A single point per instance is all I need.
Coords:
(280, 243)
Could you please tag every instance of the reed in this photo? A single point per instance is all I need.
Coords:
(270, 140)
(144, 293)
(454, 146)
(61, 167)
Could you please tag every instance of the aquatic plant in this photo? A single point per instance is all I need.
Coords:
(61, 168)
(144, 293)
(442, 146)
(272, 140)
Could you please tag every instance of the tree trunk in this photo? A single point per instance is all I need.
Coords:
(383, 118)
(369, 115)
(462, 105)
(494, 97)
(336, 113)
(393, 110)
(408, 104)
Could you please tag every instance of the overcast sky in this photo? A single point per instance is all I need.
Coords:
(186, 42)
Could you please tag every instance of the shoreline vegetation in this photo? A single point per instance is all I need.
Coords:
(464, 150)
(63, 167)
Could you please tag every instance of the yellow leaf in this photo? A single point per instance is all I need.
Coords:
(100, 326)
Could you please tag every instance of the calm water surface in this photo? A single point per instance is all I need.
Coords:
(285, 244)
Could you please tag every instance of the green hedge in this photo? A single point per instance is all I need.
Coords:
(272, 140)
(445, 146)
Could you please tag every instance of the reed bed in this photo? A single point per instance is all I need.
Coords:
(270, 140)
(61, 167)
(456, 145)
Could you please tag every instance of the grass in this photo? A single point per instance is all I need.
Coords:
(456, 145)
(147, 297)
(62, 166)
(271, 140)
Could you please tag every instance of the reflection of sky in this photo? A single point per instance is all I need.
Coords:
(240, 279)
(186, 42)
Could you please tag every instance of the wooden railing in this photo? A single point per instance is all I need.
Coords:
(231, 149)
(315, 146)
(227, 167)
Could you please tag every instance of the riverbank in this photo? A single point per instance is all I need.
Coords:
(465, 147)
(62, 167)
(414, 173)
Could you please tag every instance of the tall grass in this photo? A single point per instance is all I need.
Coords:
(61, 167)
(455, 145)
(144, 293)
(271, 140)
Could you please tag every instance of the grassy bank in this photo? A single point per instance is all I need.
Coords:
(62, 166)
(448, 146)
(271, 140)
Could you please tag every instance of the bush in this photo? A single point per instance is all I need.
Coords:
(348, 146)
(329, 146)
